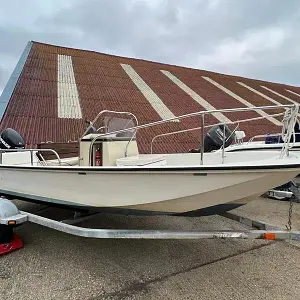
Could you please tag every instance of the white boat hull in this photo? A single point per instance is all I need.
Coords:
(172, 190)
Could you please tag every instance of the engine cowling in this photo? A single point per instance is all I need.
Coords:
(11, 139)
(214, 138)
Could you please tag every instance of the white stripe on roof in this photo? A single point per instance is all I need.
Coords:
(148, 93)
(280, 95)
(293, 93)
(68, 97)
(259, 93)
(243, 101)
(195, 96)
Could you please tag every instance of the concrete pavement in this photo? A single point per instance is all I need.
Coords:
(55, 265)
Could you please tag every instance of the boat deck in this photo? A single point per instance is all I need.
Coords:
(147, 269)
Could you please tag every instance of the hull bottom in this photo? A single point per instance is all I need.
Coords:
(208, 211)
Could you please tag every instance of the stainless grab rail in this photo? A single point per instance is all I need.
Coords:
(224, 141)
(207, 126)
(207, 112)
(31, 153)
(200, 113)
(202, 138)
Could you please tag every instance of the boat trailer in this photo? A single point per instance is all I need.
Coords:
(11, 217)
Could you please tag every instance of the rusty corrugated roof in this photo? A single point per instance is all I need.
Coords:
(42, 109)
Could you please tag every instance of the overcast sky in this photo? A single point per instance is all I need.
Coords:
(253, 38)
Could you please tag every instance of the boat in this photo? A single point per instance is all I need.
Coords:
(111, 174)
(262, 142)
(267, 141)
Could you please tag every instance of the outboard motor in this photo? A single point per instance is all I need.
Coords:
(214, 138)
(11, 139)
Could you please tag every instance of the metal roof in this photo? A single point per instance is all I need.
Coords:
(53, 90)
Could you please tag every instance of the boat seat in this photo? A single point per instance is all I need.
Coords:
(142, 160)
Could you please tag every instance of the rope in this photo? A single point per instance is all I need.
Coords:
(288, 129)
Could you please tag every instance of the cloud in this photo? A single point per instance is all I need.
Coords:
(272, 54)
(246, 50)
(251, 38)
